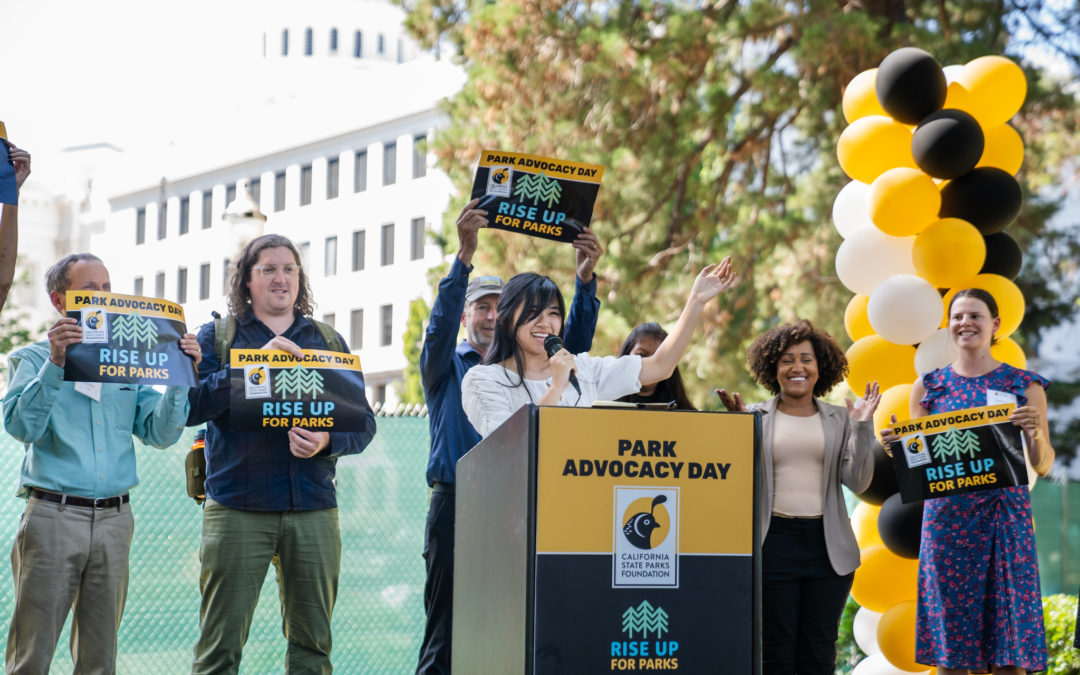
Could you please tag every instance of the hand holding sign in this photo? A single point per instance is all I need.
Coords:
(468, 225)
(189, 344)
(64, 332)
(587, 253)
(304, 443)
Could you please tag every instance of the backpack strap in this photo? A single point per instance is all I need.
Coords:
(224, 334)
(329, 336)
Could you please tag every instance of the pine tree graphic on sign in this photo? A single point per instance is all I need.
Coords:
(954, 444)
(645, 619)
(135, 329)
(298, 380)
(538, 188)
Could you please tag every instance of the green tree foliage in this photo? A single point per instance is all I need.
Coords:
(717, 123)
(413, 388)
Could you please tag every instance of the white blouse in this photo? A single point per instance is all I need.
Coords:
(491, 394)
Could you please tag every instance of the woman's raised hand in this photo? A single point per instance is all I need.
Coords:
(863, 409)
(732, 401)
(712, 281)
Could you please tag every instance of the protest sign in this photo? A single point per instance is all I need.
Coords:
(272, 389)
(538, 196)
(128, 339)
(957, 452)
(9, 194)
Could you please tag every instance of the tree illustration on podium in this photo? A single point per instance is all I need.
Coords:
(645, 619)
(956, 444)
(135, 329)
(299, 381)
(538, 188)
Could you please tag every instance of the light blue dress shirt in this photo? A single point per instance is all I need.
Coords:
(75, 444)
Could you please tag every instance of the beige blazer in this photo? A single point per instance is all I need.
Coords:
(849, 460)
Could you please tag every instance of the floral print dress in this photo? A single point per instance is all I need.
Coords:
(979, 599)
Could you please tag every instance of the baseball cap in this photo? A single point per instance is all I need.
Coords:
(481, 286)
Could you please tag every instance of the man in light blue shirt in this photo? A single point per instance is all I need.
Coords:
(71, 550)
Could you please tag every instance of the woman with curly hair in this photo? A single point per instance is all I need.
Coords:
(810, 449)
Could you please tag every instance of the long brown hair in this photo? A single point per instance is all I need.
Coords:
(240, 296)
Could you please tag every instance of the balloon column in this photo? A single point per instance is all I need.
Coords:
(932, 159)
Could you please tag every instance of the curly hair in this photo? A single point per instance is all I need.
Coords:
(765, 352)
(240, 296)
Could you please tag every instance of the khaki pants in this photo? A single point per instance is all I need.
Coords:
(237, 549)
(68, 558)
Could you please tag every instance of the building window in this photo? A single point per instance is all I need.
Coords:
(332, 172)
(305, 185)
(204, 281)
(400, 51)
(140, 226)
(380, 394)
(309, 40)
(356, 329)
(387, 333)
(285, 42)
(416, 247)
(162, 220)
(185, 214)
(359, 246)
(333, 40)
(330, 319)
(419, 156)
(380, 47)
(360, 174)
(358, 45)
(225, 276)
(389, 167)
(331, 256)
(138, 286)
(305, 254)
(207, 208)
(279, 191)
(255, 184)
(230, 194)
(388, 244)
(181, 285)
(159, 285)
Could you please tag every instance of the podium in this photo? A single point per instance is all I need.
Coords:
(593, 540)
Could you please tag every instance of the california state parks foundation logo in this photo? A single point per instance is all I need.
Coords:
(645, 533)
(646, 529)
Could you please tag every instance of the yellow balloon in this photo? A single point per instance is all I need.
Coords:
(1004, 149)
(860, 98)
(1009, 299)
(1007, 351)
(997, 87)
(864, 523)
(948, 252)
(872, 145)
(958, 97)
(903, 201)
(896, 636)
(884, 579)
(856, 322)
(894, 401)
(874, 358)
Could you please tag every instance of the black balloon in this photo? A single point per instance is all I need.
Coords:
(1002, 256)
(987, 197)
(900, 526)
(948, 143)
(883, 484)
(910, 85)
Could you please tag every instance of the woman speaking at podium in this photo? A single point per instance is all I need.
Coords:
(810, 448)
(526, 365)
(980, 605)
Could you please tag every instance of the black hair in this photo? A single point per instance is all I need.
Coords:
(668, 390)
(533, 293)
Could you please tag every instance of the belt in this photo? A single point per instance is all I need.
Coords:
(443, 488)
(784, 515)
(86, 502)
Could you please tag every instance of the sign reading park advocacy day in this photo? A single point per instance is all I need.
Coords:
(956, 452)
(534, 195)
(645, 524)
(272, 389)
(128, 339)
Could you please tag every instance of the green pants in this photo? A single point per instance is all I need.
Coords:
(237, 549)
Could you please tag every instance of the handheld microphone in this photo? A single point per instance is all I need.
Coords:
(552, 344)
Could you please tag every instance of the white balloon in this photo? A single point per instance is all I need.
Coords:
(851, 210)
(905, 309)
(864, 626)
(869, 257)
(877, 664)
(936, 351)
(952, 73)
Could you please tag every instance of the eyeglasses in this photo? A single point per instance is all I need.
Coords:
(271, 271)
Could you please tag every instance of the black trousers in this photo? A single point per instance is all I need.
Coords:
(802, 599)
(439, 588)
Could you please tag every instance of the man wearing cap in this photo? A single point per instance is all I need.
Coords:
(472, 304)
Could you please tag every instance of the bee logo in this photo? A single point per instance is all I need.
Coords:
(500, 176)
(638, 528)
(93, 320)
(257, 376)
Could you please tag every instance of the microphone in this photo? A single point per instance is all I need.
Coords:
(552, 344)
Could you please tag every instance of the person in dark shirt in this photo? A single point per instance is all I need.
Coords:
(443, 364)
(270, 495)
(643, 341)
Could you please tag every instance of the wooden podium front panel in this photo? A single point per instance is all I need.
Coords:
(644, 542)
